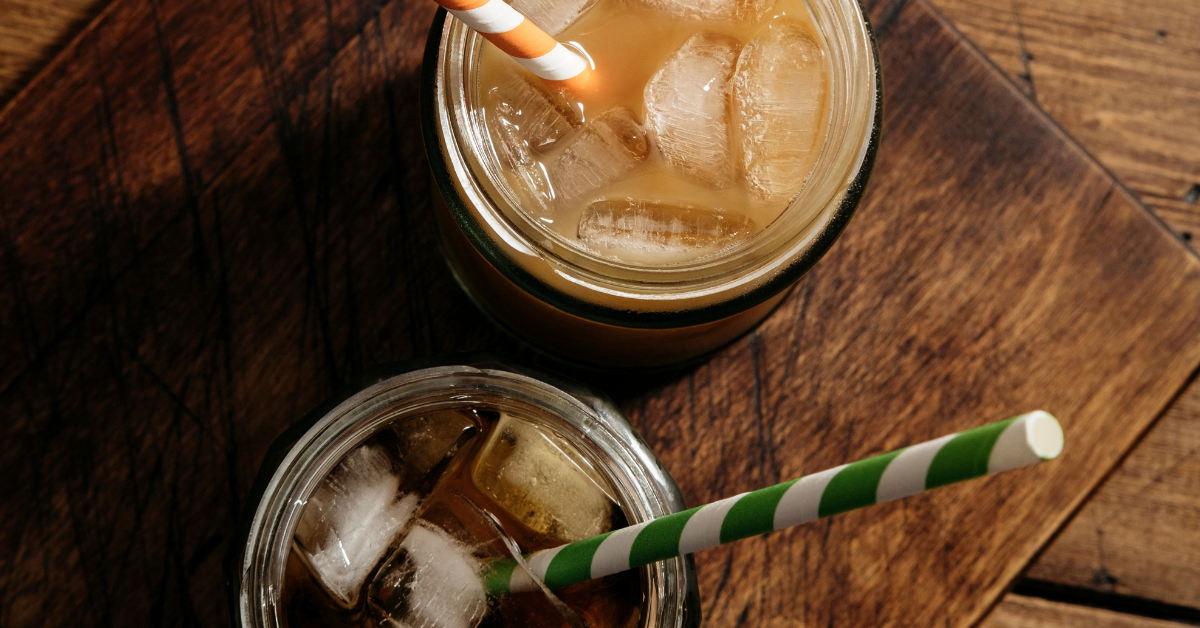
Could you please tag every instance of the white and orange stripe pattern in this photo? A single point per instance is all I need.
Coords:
(521, 39)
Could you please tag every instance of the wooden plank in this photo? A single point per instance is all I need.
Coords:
(990, 260)
(1121, 76)
(1127, 540)
(32, 32)
(1018, 611)
(157, 108)
(1132, 105)
(844, 559)
(134, 437)
(1138, 535)
(1103, 549)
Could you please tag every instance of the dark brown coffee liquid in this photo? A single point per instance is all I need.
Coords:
(451, 506)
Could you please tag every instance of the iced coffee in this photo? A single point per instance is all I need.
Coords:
(668, 210)
(698, 134)
(401, 532)
(388, 505)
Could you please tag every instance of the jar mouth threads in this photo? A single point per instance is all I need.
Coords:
(605, 290)
(300, 460)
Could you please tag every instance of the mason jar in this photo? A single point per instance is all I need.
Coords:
(590, 309)
(304, 455)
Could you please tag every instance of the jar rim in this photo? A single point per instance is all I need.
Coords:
(765, 280)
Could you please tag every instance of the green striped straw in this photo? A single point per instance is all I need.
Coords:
(1001, 446)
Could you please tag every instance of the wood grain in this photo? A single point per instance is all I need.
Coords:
(1018, 611)
(1132, 96)
(1138, 535)
(203, 236)
(1121, 76)
(1105, 548)
(793, 407)
(151, 112)
(166, 325)
(32, 32)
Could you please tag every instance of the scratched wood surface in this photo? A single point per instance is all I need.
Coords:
(217, 212)
(1123, 77)
(1018, 611)
(1139, 535)
(32, 32)
(1119, 76)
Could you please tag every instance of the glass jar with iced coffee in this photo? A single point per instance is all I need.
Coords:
(386, 507)
(665, 212)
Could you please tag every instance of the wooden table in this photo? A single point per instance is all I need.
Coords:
(92, 340)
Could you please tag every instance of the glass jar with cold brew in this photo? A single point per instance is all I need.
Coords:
(387, 502)
(599, 310)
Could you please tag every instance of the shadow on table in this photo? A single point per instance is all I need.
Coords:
(264, 284)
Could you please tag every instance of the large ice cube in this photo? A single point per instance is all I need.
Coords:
(540, 115)
(351, 519)
(553, 16)
(432, 581)
(779, 91)
(526, 118)
(422, 443)
(719, 10)
(604, 150)
(687, 107)
(638, 225)
(543, 481)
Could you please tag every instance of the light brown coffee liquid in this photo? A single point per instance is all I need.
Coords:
(629, 43)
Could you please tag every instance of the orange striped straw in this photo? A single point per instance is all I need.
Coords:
(529, 45)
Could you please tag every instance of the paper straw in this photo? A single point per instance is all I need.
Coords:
(1001, 446)
(522, 40)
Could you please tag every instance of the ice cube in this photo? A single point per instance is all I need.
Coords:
(432, 581)
(604, 150)
(779, 89)
(533, 186)
(423, 442)
(659, 227)
(687, 107)
(719, 10)
(526, 118)
(542, 481)
(514, 551)
(553, 16)
(540, 115)
(351, 519)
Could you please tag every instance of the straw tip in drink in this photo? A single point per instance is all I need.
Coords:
(1044, 434)
(586, 82)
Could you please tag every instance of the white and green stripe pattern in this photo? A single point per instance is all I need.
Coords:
(1001, 446)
